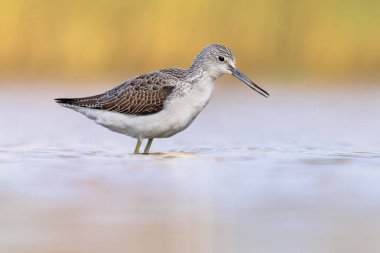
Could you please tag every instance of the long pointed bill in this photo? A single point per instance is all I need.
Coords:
(236, 73)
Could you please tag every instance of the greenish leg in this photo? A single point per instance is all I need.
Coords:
(147, 147)
(137, 148)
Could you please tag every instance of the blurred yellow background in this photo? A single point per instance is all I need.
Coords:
(95, 38)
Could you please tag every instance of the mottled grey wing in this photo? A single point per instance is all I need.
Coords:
(138, 102)
(142, 95)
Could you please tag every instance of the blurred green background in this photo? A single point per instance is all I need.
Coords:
(333, 38)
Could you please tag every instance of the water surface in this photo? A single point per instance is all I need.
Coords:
(298, 172)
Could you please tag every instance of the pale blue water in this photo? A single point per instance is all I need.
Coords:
(299, 172)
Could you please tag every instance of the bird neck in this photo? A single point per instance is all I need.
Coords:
(199, 67)
(196, 68)
(198, 63)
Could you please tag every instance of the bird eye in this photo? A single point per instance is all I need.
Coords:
(221, 58)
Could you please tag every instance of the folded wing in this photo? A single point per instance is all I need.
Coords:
(142, 95)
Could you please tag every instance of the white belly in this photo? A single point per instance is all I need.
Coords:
(177, 115)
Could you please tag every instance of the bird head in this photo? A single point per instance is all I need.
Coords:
(217, 60)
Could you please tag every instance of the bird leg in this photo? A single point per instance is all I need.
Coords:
(147, 147)
(137, 148)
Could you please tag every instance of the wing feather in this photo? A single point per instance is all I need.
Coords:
(143, 95)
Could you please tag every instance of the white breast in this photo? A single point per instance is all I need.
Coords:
(177, 115)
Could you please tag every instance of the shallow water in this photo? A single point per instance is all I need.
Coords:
(298, 172)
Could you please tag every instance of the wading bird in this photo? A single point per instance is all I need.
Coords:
(161, 103)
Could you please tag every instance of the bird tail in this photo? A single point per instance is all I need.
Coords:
(88, 102)
(65, 101)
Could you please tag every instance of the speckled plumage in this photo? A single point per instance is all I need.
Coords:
(147, 93)
(142, 95)
(161, 103)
